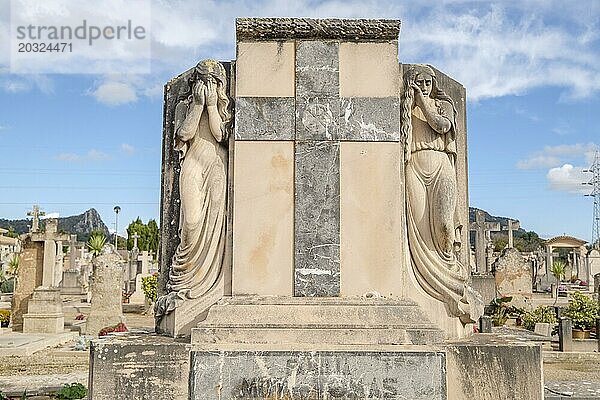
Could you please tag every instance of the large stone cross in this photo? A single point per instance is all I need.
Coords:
(36, 214)
(511, 227)
(482, 230)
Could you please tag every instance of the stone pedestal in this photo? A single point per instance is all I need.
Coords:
(45, 314)
(138, 296)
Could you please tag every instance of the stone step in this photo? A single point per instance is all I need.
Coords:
(310, 312)
(312, 335)
(294, 320)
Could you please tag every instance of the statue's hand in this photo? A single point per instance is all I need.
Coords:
(211, 94)
(199, 93)
(419, 97)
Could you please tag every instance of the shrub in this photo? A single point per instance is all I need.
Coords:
(96, 243)
(72, 391)
(149, 286)
(541, 314)
(8, 286)
(582, 310)
(4, 315)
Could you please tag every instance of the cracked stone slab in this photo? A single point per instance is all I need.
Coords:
(370, 119)
(318, 374)
(317, 219)
(264, 118)
(317, 118)
(317, 69)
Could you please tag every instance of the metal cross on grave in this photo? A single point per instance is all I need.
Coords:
(36, 214)
(482, 230)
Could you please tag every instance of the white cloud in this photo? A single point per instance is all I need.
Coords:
(50, 215)
(568, 179)
(114, 93)
(92, 155)
(127, 148)
(553, 156)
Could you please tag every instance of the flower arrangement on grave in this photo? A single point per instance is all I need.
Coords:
(582, 310)
(120, 327)
(500, 310)
(4, 317)
(540, 314)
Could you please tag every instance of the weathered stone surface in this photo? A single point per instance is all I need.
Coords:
(106, 308)
(137, 366)
(29, 276)
(491, 368)
(317, 375)
(317, 219)
(317, 118)
(317, 69)
(369, 69)
(370, 119)
(594, 266)
(308, 28)
(265, 69)
(44, 312)
(485, 285)
(263, 217)
(264, 118)
(259, 321)
(371, 225)
(513, 276)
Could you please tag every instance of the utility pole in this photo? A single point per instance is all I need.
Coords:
(116, 210)
(595, 183)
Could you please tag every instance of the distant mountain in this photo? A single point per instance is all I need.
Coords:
(491, 218)
(82, 225)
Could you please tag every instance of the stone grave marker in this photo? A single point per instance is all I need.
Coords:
(513, 277)
(106, 307)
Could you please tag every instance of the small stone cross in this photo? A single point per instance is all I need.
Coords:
(36, 214)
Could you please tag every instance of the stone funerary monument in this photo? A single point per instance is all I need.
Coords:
(314, 230)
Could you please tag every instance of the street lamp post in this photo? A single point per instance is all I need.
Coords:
(116, 209)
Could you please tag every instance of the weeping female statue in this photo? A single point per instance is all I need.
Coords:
(202, 122)
(429, 130)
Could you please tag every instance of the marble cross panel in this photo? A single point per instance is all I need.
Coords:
(317, 94)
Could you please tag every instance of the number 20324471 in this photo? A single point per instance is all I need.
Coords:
(26, 47)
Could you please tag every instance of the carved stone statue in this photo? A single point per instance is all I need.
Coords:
(202, 123)
(429, 131)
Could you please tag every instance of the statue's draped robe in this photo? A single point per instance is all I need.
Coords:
(431, 190)
(202, 186)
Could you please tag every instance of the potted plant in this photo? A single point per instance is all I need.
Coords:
(583, 312)
(4, 318)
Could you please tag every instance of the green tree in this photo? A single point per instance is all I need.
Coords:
(148, 235)
(12, 233)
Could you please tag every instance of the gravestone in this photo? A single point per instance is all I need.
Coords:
(511, 226)
(308, 252)
(482, 232)
(106, 308)
(38, 270)
(513, 277)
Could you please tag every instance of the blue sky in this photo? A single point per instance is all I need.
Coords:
(531, 68)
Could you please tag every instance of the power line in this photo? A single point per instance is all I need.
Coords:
(595, 183)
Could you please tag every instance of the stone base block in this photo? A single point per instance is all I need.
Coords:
(43, 323)
(356, 374)
(188, 313)
(485, 367)
(259, 320)
(138, 367)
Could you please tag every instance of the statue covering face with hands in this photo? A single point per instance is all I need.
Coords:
(429, 131)
(201, 130)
